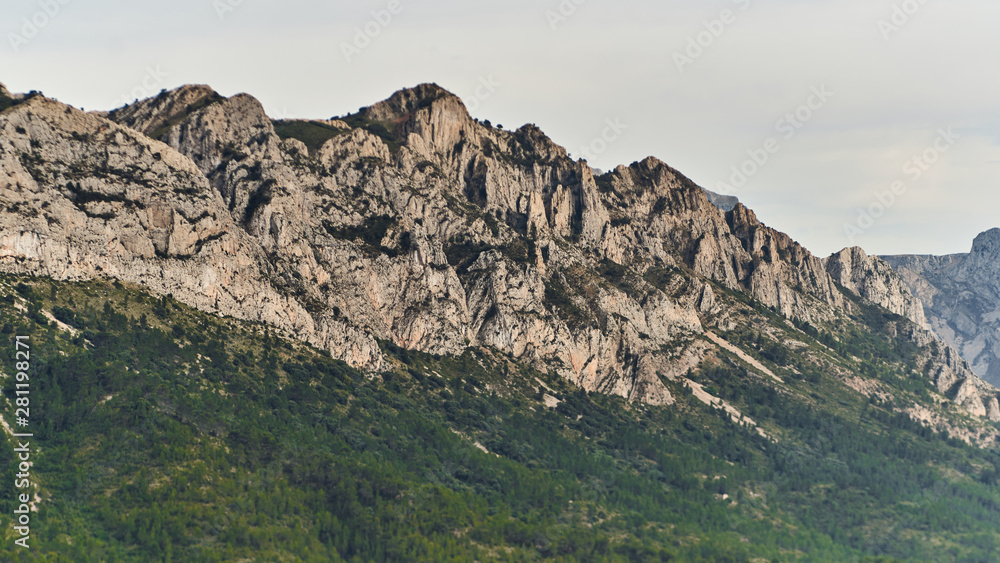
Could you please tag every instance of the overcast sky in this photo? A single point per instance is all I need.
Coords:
(839, 102)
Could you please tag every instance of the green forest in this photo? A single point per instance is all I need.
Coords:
(166, 434)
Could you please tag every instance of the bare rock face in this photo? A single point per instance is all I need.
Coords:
(875, 280)
(91, 198)
(952, 375)
(407, 222)
(411, 226)
(782, 273)
(961, 296)
(7, 99)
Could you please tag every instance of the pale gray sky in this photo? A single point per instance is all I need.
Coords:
(686, 81)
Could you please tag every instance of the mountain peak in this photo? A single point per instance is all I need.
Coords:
(154, 115)
(742, 215)
(409, 100)
(875, 280)
(436, 116)
(193, 90)
(987, 244)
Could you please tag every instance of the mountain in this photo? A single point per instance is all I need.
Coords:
(411, 259)
(875, 280)
(723, 202)
(961, 297)
(407, 221)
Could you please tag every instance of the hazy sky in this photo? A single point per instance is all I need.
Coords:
(841, 101)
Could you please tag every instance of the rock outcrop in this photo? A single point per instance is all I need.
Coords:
(7, 99)
(90, 198)
(875, 280)
(961, 297)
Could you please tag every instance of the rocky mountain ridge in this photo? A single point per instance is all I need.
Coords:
(411, 222)
(874, 279)
(961, 297)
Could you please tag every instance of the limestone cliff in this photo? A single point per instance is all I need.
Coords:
(723, 202)
(409, 222)
(875, 280)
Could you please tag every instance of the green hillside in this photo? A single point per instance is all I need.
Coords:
(167, 434)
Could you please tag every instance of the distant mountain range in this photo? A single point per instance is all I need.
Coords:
(723, 202)
(961, 297)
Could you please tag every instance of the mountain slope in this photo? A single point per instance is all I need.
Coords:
(172, 434)
(961, 296)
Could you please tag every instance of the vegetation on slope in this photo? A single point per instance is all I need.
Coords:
(166, 434)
